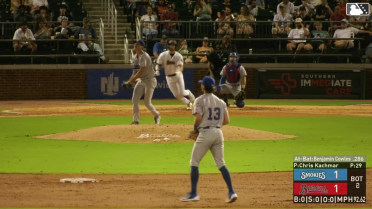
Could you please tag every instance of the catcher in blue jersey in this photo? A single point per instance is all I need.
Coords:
(233, 80)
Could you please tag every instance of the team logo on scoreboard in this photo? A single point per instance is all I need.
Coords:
(305, 189)
(357, 9)
(320, 175)
(285, 83)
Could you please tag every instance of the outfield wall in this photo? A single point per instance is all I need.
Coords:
(19, 82)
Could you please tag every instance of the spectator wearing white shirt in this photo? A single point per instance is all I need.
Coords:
(282, 21)
(36, 4)
(299, 32)
(149, 28)
(289, 7)
(23, 39)
(346, 32)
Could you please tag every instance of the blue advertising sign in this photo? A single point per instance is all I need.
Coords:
(107, 84)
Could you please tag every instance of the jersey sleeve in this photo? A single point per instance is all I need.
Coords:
(142, 61)
(180, 59)
(198, 107)
(242, 71)
(160, 59)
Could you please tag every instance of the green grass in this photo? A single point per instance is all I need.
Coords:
(251, 102)
(21, 152)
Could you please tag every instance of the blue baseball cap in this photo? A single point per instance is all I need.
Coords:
(140, 42)
(207, 81)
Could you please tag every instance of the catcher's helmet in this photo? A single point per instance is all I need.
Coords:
(240, 104)
(172, 41)
(234, 54)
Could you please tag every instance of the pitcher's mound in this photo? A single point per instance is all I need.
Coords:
(158, 134)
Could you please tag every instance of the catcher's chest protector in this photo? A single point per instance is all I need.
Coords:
(232, 73)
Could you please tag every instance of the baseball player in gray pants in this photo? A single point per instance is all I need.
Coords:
(210, 115)
(144, 76)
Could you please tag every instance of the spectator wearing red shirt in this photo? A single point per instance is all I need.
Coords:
(337, 16)
(169, 28)
(342, 6)
(161, 7)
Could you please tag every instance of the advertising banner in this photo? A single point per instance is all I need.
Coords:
(107, 84)
(310, 84)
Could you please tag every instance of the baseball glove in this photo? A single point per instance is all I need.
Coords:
(240, 96)
(127, 85)
(193, 134)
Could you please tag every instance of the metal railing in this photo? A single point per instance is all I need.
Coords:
(128, 54)
(102, 34)
(111, 17)
(138, 29)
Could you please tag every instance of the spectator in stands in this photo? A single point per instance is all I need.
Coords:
(336, 18)
(161, 7)
(305, 17)
(309, 9)
(318, 34)
(223, 22)
(282, 21)
(369, 53)
(63, 14)
(358, 22)
(64, 32)
(244, 28)
(141, 8)
(299, 32)
(288, 7)
(346, 32)
(160, 46)
(184, 51)
(323, 11)
(43, 16)
(42, 31)
(86, 46)
(170, 28)
(259, 3)
(226, 45)
(14, 7)
(202, 11)
(149, 28)
(234, 6)
(253, 9)
(36, 4)
(202, 52)
(23, 40)
(23, 14)
(186, 10)
(342, 6)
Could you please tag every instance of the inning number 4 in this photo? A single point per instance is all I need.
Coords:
(214, 114)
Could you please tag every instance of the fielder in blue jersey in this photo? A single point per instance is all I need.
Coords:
(210, 115)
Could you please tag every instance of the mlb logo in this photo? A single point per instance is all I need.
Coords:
(357, 9)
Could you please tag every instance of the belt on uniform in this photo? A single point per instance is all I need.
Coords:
(172, 74)
(209, 127)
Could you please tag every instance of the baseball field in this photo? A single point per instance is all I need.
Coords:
(147, 166)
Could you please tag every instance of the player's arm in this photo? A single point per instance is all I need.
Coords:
(197, 119)
(134, 77)
(181, 68)
(226, 118)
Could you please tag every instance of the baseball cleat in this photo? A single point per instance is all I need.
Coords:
(190, 198)
(135, 123)
(189, 106)
(232, 198)
(157, 119)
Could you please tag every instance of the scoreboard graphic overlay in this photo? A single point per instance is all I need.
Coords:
(329, 179)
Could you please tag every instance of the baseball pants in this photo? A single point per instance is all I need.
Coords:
(177, 87)
(146, 87)
(233, 89)
(208, 139)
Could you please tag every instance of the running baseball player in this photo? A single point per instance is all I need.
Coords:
(210, 114)
(233, 80)
(172, 62)
(143, 76)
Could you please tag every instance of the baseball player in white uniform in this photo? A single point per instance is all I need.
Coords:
(143, 76)
(172, 62)
(210, 115)
(233, 77)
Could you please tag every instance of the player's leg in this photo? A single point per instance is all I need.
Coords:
(149, 91)
(173, 87)
(225, 90)
(138, 91)
(181, 90)
(201, 147)
(217, 150)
